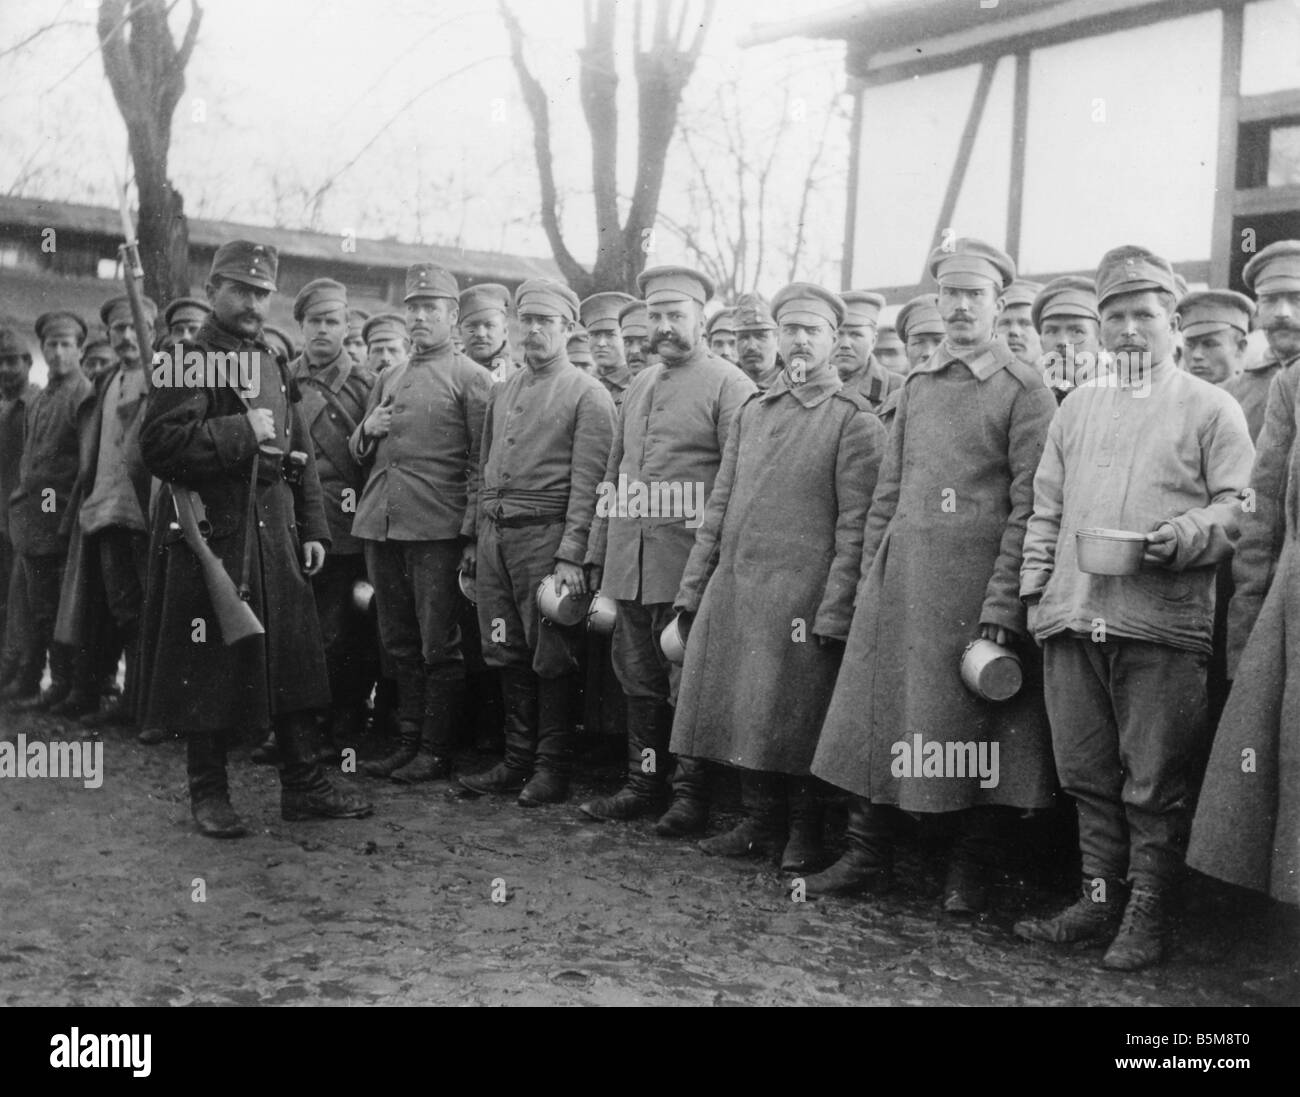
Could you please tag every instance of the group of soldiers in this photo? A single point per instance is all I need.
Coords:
(839, 511)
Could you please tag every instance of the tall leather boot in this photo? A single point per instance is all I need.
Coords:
(549, 784)
(410, 719)
(487, 711)
(117, 709)
(867, 863)
(519, 687)
(804, 851)
(646, 778)
(444, 701)
(966, 887)
(24, 683)
(343, 729)
(305, 791)
(205, 765)
(762, 830)
(689, 813)
(267, 752)
(60, 679)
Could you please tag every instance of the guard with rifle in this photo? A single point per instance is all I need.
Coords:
(240, 498)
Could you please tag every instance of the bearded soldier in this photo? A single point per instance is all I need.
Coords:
(546, 439)
(234, 451)
(672, 430)
(771, 611)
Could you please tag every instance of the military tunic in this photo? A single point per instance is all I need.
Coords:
(875, 385)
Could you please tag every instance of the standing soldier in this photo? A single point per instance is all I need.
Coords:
(721, 334)
(941, 569)
(1069, 328)
(921, 328)
(771, 612)
(756, 344)
(1158, 451)
(890, 351)
(635, 330)
(109, 543)
(420, 440)
(1279, 317)
(39, 504)
(854, 342)
(233, 451)
(97, 358)
(16, 395)
(546, 440)
(1016, 322)
(183, 317)
(387, 342)
(354, 342)
(335, 391)
(600, 317)
(672, 431)
(484, 330)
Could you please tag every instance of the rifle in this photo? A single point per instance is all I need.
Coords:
(235, 616)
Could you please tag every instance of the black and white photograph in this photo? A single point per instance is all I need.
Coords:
(650, 503)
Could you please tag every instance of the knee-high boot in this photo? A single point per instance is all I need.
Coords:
(205, 765)
(305, 791)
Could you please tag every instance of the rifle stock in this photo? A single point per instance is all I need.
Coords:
(235, 617)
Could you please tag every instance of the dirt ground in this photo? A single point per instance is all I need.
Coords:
(98, 889)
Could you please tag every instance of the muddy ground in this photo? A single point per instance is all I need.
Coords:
(97, 907)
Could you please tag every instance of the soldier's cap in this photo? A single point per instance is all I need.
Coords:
(862, 306)
(271, 332)
(1130, 268)
(753, 313)
(430, 280)
(633, 320)
(920, 316)
(62, 321)
(1069, 295)
(1276, 269)
(357, 317)
(722, 320)
(599, 312)
(806, 303)
(579, 340)
(969, 263)
(1021, 292)
(385, 325)
(1180, 286)
(546, 297)
(191, 304)
(485, 297)
(886, 332)
(244, 261)
(317, 292)
(1210, 310)
(668, 284)
(13, 341)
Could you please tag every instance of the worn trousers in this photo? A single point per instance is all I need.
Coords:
(1128, 727)
(642, 668)
(347, 633)
(418, 600)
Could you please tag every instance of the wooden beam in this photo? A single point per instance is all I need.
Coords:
(1019, 136)
(1261, 108)
(964, 148)
(1225, 175)
(1261, 201)
(851, 207)
(1064, 22)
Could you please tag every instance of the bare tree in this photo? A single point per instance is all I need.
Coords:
(663, 67)
(146, 70)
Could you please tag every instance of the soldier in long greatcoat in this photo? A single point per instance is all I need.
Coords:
(211, 438)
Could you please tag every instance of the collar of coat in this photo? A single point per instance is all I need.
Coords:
(819, 386)
(983, 360)
(619, 377)
(215, 336)
(1272, 361)
(332, 375)
(551, 365)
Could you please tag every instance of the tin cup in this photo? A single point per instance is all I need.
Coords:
(560, 605)
(602, 614)
(672, 643)
(991, 671)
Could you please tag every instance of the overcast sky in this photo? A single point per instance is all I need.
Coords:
(281, 97)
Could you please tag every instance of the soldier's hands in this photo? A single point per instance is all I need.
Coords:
(1162, 543)
(380, 421)
(313, 557)
(469, 559)
(571, 576)
(263, 424)
(997, 634)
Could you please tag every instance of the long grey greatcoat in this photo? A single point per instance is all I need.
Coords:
(201, 438)
(941, 556)
(1247, 824)
(774, 566)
